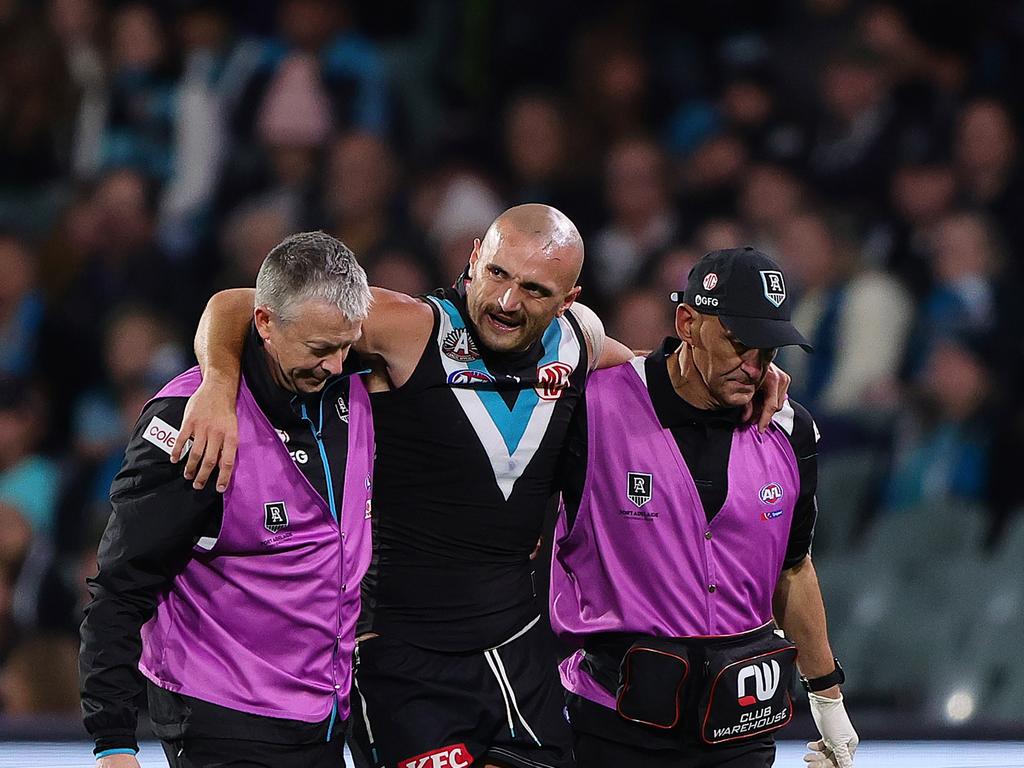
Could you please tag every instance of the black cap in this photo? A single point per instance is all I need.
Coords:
(747, 290)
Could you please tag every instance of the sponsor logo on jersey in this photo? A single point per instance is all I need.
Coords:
(639, 486)
(163, 436)
(342, 409)
(772, 515)
(765, 676)
(455, 756)
(774, 286)
(299, 456)
(459, 346)
(275, 516)
(552, 379)
(282, 434)
(710, 281)
(466, 376)
(771, 493)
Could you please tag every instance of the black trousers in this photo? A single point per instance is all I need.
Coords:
(237, 753)
(595, 752)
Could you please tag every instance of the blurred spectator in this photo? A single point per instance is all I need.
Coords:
(643, 221)
(41, 677)
(989, 168)
(28, 480)
(921, 194)
(719, 233)
(139, 350)
(453, 206)
(37, 102)
(943, 444)
(611, 79)
(141, 105)
(640, 319)
(21, 310)
(249, 234)
(769, 196)
(361, 200)
(857, 136)
(966, 294)
(749, 104)
(540, 159)
(15, 542)
(711, 176)
(317, 40)
(858, 321)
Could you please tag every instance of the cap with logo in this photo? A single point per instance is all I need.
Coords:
(747, 291)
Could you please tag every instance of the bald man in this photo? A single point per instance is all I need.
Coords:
(473, 391)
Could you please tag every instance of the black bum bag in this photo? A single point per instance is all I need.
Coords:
(737, 688)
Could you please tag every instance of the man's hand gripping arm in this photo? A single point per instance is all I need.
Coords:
(210, 418)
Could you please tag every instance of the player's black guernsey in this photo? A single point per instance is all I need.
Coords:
(467, 456)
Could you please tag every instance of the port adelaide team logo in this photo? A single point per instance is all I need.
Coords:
(275, 516)
(459, 346)
(639, 487)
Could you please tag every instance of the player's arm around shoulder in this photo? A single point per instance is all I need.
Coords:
(396, 331)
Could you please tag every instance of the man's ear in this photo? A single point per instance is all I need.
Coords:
(474, 257)
(569, 299)
(263, 317)
(686, 319)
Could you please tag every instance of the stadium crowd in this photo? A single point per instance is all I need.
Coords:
(152, 153)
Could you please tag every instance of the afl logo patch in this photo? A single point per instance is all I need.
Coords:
(459, 346)
(710, 281)
(467, 377)
(771, 493)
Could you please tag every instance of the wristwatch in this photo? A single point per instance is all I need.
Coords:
(835, 677)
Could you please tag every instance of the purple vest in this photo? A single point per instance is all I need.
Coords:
(641, 557)
(263, 619)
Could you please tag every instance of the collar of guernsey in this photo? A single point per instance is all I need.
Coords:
(510, 435)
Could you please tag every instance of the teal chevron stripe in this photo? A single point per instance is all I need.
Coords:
(511, 423)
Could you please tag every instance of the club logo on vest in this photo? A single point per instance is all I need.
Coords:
(466, 376)
(275, 516)
(342, 409)
(766, 679)
(772, 493)
(638, 487)
(774, 286)
(552, 379)
(459, 346)
(455, 756)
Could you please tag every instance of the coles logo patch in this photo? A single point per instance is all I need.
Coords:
(467, 376)
(771, 493)
(710, 281)
(163, 436)
(459, 346)
(455, 756)
(552, 379)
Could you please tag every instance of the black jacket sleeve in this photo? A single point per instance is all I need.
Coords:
(804, 439)
(156, 518)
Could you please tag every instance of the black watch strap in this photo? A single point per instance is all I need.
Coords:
(835, 677)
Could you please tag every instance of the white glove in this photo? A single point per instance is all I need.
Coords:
(838, 739)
